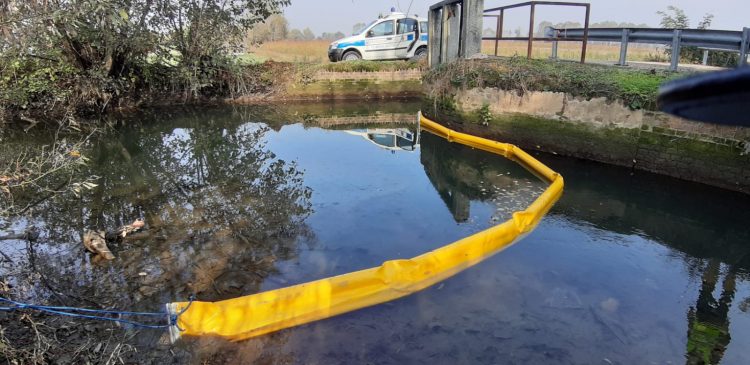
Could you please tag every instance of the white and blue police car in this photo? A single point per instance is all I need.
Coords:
(395, 37)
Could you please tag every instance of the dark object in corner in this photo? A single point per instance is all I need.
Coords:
(721, 97)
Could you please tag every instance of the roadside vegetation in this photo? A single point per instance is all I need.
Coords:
(635, 88)
(64, 59)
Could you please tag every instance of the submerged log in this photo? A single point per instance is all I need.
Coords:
(95, 242)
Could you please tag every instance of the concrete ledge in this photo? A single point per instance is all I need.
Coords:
(608, 132)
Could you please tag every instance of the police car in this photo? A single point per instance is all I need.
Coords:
(394, 37)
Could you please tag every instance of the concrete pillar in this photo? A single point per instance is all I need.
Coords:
(472, 12)
(451, 33)
(624, 47)
(675, 49)
(434, 34)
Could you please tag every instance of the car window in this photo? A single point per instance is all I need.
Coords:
(423, 27)
(360, 30)
(383, 139)
(407, 26)
(381, 29)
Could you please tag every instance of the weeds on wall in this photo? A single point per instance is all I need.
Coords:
(635, 88)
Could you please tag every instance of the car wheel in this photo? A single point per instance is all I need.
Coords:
(351, 56)
(420, 54)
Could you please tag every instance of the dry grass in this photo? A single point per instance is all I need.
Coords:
(572, 50)
(316, 51)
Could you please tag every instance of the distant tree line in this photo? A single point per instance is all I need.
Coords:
(276, 28)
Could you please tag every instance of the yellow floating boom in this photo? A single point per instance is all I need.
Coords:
(257, 314)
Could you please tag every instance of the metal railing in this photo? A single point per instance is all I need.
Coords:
(533, 4)
(724, 40)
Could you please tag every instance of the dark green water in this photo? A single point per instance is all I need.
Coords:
(627, 268)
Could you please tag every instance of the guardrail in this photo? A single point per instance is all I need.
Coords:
(532, 5)
(724, 40)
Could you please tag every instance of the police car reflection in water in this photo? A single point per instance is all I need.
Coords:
(392, 139)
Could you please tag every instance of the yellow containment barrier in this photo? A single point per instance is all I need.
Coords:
(257, 314)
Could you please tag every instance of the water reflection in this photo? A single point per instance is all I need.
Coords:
(708, 321)
(626, 269)
(487, 178)
(703, 226)
(390, 139)
(221, 210)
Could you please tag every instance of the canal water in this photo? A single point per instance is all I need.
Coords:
(628, 267)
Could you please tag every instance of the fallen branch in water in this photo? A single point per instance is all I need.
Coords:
(7, 258)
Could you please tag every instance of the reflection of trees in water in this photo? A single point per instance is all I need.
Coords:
(706, 235)
(704, 227)
(461, 174)
(708, 322)
(220, 209)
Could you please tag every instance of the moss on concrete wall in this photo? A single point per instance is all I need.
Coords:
(708, 157)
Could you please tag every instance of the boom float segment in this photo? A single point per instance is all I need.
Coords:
(257, 314)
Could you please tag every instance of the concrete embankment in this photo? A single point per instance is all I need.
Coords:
(597, 117)
(606, 131)
(325, 85)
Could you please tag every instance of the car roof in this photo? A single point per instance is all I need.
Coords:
(397, 15)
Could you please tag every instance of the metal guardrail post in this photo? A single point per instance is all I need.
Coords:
(499, 29)
(624, 47)
(585, 33)
(554, 50)
(675, 49)
(744, 46)
(531, 31)
(705, 57)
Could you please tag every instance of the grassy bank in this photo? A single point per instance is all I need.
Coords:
(635, 88)
(38, 92)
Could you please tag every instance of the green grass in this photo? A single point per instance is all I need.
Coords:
(371, 66)
(249, 59)
(635, 88)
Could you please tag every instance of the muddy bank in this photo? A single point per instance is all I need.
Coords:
(605, 131)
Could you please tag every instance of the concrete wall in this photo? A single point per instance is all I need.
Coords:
(610, 132)
(455, 31)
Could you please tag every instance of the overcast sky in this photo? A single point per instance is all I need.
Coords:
(341, 15)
